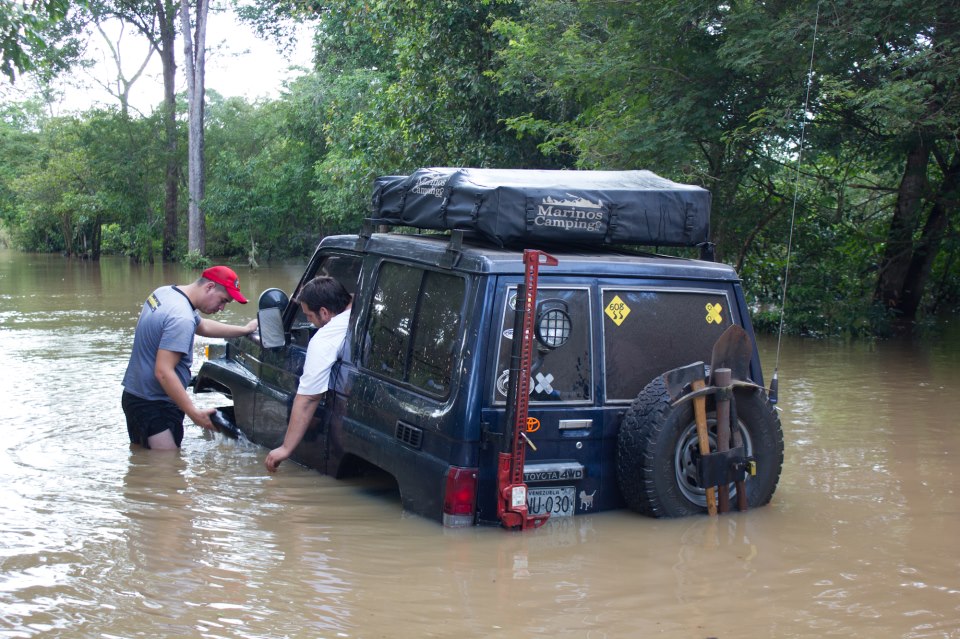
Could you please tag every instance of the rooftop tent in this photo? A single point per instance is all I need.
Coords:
(516, 206)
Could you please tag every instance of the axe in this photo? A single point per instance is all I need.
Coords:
(693, 375)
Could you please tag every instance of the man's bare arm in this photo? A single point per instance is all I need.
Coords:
(304, 406)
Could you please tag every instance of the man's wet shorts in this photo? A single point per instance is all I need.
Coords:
(148, 417)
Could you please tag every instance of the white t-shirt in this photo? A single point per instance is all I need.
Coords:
(322, 353)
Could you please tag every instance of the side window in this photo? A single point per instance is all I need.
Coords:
(413, 329)
(343, 268)
(563, 374)
(391, 318)
(437, 329)
(647, 332)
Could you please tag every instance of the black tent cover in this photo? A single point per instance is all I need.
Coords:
(518, 206)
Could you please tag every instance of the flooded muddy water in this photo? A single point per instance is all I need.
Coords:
(98, 540)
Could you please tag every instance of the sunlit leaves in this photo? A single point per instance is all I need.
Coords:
(35, 36)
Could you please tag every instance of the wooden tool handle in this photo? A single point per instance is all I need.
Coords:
(700, 414)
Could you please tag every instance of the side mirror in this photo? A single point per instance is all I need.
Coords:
(271, 305)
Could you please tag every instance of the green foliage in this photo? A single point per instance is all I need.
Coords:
(402, 88)
(260, 175)
(141, 242)
(698, 92)
(17, 147)
(713, 93)
(77, 175)
(195, 260)
(36, 36)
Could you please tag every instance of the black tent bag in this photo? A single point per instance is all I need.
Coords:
(515, 206)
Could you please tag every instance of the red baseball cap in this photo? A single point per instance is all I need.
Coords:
(225, 277)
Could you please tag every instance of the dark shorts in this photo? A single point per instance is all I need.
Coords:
(148, 417)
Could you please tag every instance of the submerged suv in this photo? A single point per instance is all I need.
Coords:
(423, 381)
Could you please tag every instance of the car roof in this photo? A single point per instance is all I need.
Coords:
(475, 256)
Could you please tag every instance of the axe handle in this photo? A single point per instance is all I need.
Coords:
(700, 414)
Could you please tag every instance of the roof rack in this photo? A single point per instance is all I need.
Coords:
(457, 237)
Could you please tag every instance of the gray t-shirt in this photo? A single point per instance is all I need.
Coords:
(169, 321)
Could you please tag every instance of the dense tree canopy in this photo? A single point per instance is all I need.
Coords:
(717, 97)
(36, 36)
(829, 128)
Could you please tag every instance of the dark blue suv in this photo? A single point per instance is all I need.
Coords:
(423, 382)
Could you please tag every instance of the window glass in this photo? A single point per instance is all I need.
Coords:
(391, 320)
(343, 268)
(648, 332)
(436, 331)
(413, 330)
(563, 374)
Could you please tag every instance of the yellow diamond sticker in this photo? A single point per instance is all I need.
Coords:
(713, 313)
(617, 310)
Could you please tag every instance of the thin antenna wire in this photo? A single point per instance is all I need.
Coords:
(793, 213)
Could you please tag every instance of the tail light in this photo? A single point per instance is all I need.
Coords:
(460, 497)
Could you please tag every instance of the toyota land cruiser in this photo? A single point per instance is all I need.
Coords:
(424, 378)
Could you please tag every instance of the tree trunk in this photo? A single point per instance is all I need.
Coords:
(69, 232)
(96, 238)
(167, 15)
(195, 54)
(929, 246)
(156, 20)
(906, 217)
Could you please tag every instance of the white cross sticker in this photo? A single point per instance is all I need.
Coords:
(543, 383)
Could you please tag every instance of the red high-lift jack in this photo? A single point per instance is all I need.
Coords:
(511, 489)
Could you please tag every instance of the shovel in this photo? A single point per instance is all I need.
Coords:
(734, 351)
(730, 360)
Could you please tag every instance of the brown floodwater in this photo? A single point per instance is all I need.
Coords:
(98, 540)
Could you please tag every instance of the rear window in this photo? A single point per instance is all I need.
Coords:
(649, 331)
(561, 374)
(413, 330)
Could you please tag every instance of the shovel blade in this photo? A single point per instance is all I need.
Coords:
(733, 350)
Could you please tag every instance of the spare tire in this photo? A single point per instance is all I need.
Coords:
(657, 451)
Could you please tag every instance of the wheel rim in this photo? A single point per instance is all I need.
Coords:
(687, 454)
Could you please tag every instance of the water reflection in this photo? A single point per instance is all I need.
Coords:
(164, 579)
(99, 540)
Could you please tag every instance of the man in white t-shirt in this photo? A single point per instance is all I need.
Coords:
(326, 303)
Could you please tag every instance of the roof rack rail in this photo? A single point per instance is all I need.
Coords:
(454, 250)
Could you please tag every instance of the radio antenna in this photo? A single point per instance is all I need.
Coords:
(774, 383)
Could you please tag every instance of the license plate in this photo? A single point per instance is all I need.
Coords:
(559, 502)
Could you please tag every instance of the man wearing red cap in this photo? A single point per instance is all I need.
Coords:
(155, 396)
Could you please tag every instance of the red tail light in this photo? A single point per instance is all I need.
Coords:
(460, 496)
